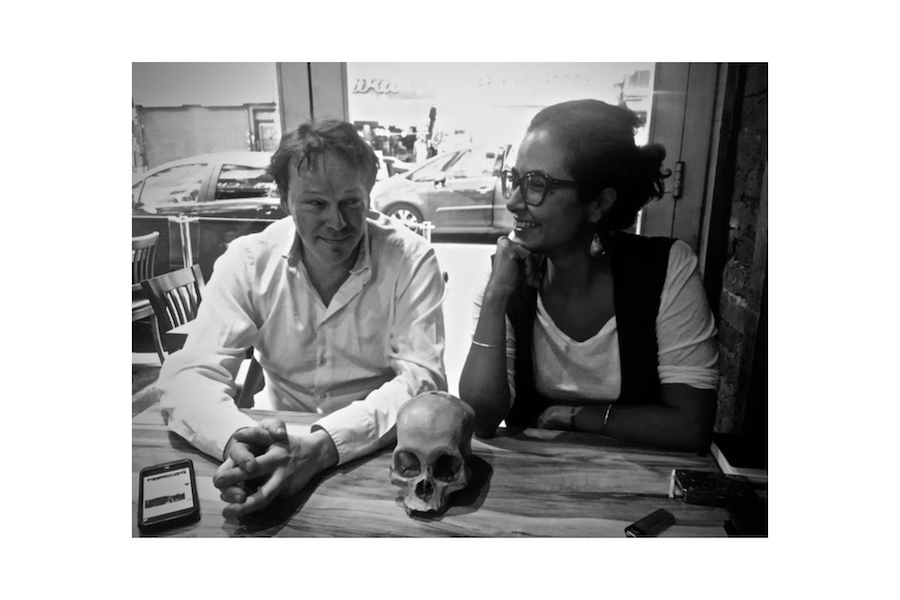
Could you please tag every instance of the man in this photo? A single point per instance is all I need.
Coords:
(343, 306)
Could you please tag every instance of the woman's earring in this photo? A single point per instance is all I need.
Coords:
(596, 246)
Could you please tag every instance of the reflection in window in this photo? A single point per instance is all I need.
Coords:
(244, 182)
(167, 190)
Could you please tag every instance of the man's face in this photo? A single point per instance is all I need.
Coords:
(328, 205)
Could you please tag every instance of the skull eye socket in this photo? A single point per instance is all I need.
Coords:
(447, 467)
(406, 464)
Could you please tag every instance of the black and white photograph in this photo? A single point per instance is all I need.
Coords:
(453, 299)
(450, 300)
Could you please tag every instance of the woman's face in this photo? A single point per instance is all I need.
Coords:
(561, 221)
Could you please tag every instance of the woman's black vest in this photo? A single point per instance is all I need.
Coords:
(639, 266)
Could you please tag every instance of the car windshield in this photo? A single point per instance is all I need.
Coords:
(430, 170)
(169, 187)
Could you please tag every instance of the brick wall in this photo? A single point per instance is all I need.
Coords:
(744, 275)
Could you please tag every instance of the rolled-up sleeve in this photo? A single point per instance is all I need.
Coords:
(197, 383)
(685, 326)
(416, 355)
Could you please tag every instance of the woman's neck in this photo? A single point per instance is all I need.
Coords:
(574, 270)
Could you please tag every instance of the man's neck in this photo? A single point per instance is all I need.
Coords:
(328, 279)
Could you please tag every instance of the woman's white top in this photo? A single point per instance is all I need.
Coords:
(590, 371)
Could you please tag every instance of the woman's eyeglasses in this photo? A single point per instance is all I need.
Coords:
(535, 185)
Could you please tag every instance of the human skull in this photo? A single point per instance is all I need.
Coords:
(434, 445)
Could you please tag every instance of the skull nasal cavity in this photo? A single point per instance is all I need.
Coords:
(425, 490)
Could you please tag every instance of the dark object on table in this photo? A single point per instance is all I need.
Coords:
(744, 451)
(747, 517)
(713, 489)
(652, 525)
(167, 496)
(741, 456)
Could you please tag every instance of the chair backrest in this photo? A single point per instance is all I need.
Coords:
(143, 256)
(175, 296)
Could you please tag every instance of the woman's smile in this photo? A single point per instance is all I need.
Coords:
(524, 225)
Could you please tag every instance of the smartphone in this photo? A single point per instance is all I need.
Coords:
(167, 496)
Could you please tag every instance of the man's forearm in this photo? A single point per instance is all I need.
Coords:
(365, 426)
(195, 401)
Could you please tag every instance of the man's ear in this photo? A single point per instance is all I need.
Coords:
(602, 204)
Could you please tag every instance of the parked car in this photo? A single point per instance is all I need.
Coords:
(458, 192)
(223, 196)
(394, 165)
(228, 184)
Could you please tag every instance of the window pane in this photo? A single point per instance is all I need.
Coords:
(413, 112)
(182, 110)
(452, 105)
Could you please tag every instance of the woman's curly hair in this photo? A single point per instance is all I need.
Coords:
(598, 139)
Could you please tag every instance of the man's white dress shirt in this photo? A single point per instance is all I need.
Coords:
(378, 343)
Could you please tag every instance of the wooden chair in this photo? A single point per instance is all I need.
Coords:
(175, 298)
(143, 258)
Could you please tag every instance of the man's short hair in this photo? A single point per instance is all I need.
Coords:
(306, 146)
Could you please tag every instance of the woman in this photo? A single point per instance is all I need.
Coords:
(604, 331)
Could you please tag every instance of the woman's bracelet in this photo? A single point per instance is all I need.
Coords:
(487, 345)
(606, 419)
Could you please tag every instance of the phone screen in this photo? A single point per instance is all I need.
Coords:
(167, 492)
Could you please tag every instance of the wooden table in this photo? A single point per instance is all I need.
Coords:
(530, 483)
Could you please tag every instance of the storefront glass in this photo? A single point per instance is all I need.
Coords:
(444, 106)
(445, 130)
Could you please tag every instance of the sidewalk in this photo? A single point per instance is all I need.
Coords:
(468, 267)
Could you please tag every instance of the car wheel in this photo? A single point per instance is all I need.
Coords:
(406, 214)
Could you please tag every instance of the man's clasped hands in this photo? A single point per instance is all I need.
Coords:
(264, 461)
